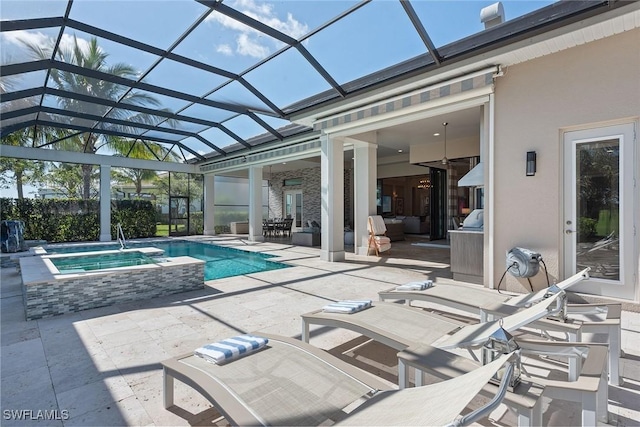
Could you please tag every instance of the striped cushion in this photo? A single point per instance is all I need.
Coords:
(231, 348)
(347, 306)
(415, 286)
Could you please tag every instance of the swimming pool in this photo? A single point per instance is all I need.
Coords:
(220, 261)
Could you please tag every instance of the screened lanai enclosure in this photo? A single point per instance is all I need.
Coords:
(179, 87)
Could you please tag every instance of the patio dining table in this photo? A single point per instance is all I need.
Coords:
(276, 227)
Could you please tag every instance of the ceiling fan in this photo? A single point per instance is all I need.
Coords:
(443, 164)
(444, 160)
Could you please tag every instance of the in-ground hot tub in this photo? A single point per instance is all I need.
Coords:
(79, 264)
(58, 284)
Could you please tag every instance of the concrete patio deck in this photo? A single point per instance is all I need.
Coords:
(101, 367)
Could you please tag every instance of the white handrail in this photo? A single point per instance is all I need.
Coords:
(120, 234)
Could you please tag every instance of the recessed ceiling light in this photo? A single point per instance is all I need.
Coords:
(284, 163)
(436, 134)
(399, 151)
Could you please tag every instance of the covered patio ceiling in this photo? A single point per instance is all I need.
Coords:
(211, 79)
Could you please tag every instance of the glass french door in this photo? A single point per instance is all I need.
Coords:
(293, 208)
(178, 216)
(599, 209)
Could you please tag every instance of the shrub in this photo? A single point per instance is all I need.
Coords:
(77, 220)
(196, 223)
(137, 217)
(587, 226)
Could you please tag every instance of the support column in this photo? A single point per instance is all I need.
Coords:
(365, 175)
(105, 203)
(209, 192)
(332, 199)
(487, 148)
(255, 204)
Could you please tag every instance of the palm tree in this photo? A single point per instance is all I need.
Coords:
(136, 177)
(94, 58)
(20, 171)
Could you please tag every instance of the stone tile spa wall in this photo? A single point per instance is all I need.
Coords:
(75, 292)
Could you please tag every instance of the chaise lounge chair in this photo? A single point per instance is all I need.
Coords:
(590, 389)
(490, 304)
(293, 383)
(405, 329)
(398, 326)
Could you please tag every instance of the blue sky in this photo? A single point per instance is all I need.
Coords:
(374, 37)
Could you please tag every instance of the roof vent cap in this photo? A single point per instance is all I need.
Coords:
(492, 15)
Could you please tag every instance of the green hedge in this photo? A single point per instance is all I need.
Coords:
(77, 220)
(196, 223)
(138, 218)
(587, 227)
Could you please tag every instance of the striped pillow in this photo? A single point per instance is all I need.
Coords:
(230, 348)
(347, 306)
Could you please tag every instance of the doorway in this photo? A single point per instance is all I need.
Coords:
(438, 204)
(293, 208)
(599, 206)
(178, 216)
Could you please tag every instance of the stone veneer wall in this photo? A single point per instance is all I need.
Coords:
(311, 197)
(84, 292)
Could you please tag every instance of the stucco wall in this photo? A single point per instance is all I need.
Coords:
(534, 102)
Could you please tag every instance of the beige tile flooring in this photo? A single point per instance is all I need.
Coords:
(101, 367)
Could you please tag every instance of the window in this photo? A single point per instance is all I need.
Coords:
(291, 182)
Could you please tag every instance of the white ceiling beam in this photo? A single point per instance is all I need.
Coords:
(30, 153)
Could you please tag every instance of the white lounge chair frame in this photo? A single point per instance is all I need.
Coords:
(400, 327)
(285, 401)
(590, 389)
(490, 305)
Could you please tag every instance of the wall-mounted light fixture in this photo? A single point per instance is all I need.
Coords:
(531, 163)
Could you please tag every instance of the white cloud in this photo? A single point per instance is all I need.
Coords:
(20, 37)
(251, 5)
(248, 46)
(36, 38)
(224, 49)
(66, 43)
(254, 43)
(229, 23)
(264, 13)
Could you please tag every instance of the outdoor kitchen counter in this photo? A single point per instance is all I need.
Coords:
(467, 250)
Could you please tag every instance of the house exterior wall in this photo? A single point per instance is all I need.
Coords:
(534, 103)
(311, 196)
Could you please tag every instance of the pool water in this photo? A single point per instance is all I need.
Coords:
(219, 261)
(75, 264)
